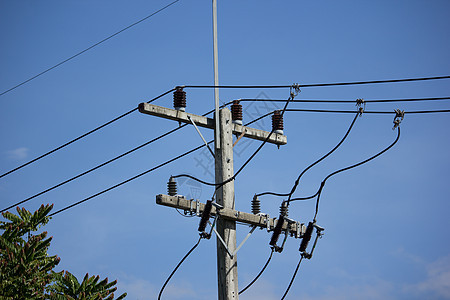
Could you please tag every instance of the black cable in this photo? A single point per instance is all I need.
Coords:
(176, 268)
(259, 274)
(313, 164)
(292, 280)
(348, 101)
(317, 84)
(98, 166)
(366, 112)
(323, 157)
(81, 136)
(89, 48)
(218, 185)
(128, 180)
(351, 167)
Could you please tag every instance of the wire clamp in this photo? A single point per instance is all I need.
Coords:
(399, 116)
(359, 104)
(294, 90)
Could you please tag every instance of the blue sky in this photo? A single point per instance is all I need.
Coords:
(386, 223)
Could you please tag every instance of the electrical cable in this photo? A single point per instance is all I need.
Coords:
(313, 164)
(260, 273)
(366, 112)
(176, 268)
(128, 180)
(351, 167)
(98, 166)
(81, 136)
(349, 101)
(292, 280)
(318, 84)
(89, 48)
(323, 157)
(219, 185)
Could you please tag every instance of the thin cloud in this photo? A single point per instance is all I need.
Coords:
(18, 154)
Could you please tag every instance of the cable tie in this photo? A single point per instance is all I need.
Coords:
(399, 116)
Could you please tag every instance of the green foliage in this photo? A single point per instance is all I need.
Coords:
(26, 269)
(67, 287)
(25, 264)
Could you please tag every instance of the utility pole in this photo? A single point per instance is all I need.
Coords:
(226, 265)
(225, 196)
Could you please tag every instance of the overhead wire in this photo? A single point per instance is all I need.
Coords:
(89, 48)
(176, 268)
(219, 185)
(292, 279)
(130, 179)
(260, 272)
(81, 136)
(351, 167)
(320, 84)
(314, 163)
(366, 111)
(100, 165)
(350, 101)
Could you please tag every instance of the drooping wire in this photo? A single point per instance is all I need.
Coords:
(323, 157)
(81, 136)
(130, 179)
(351, 167)
(176, 268)
(349, 101)
(292, 279)
(319, 84)
(98, 166)
(260, 272)
(89, 48)
(313, 164)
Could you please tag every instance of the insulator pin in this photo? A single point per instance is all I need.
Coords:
(277, 122)
(172, 187)
(306, 237)
(256, 205)
(236, 112)
(205, 216)
(284, 209)
(179, 99)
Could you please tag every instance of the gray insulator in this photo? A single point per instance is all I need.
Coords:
(172, 187)
(256, 205)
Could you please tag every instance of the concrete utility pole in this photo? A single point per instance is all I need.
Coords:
(227, 215)
(226, 265)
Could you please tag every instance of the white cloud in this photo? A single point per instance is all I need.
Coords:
(438, 279)
(18, 154)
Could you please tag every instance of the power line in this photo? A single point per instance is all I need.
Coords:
(89, 48)
(293, 277)
(313, 164)
(176, 268)
(130, 179)
(81, 136)
(350, 101)
(366, 111)
(218, 185)
(351, 167)
(92, 169)
(260, 273)
(319, 84)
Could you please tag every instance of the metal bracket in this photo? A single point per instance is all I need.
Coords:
(225, 245)
(197, 207)
(196, 128)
